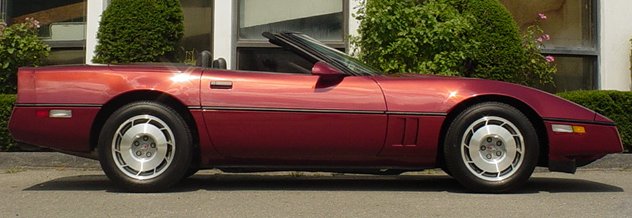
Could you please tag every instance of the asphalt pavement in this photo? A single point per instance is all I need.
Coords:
(88, 193)
(59, 160)
(54, 185)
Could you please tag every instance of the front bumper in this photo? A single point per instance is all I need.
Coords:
(567, 151)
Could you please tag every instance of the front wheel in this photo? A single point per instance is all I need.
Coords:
(491, 147)
(145, 147)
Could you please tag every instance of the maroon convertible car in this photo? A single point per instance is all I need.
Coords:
(152, 125)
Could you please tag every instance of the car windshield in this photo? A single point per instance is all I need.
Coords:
(355, 65)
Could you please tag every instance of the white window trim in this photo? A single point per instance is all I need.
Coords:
(95, 9)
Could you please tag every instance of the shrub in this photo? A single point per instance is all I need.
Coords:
(615, 105)
(504, 55)
(6, 107)
(539, 69)
(406, 36)
(19, 46)
(139, 31)
(476, 38)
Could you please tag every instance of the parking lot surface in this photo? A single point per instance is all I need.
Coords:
(61, 192)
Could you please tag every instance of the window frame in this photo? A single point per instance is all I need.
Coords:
(55, 45)
(593, 53)
(212, 32)
(263, 43)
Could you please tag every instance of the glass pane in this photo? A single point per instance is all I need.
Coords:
(60, 20)
(272, 60)
(198, 27)
(574, 73)
(571, 24)
(3, 10)
(66, 56)
(322, 20)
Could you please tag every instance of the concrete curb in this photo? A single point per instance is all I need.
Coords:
(10, 160)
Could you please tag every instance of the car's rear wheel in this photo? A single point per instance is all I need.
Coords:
(491, 147)
(145, 147)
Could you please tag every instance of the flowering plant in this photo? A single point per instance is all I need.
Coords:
(19, 46)
(533, 41)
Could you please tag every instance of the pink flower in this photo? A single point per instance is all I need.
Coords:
(545, 37)
(549, 58)
(542, 16)
(32, 22)
(542, 38)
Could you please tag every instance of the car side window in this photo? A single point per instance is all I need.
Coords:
(272, 60)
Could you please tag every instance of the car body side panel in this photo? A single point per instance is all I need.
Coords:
(291, 91)
(288, 136)
(84, 90)
(260, 115)
(31, 125)
(598, 141)
(208, 153)
(413, 136)
(96, 85)
(435, 94)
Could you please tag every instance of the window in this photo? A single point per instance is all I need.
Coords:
(3, 9)
(572, 26)
(63, 26)
(324, 20)
(198, 28)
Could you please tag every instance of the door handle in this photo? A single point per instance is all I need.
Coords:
(221, 84)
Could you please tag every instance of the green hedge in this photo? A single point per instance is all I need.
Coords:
(615, 105)
(6, 106)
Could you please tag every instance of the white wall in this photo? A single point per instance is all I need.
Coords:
(354, 24)
(224, 33)
(615, 32)
(93, 16)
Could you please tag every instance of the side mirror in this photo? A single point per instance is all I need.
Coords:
(324, 69)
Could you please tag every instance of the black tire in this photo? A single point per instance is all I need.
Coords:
(446, 170)
(502, 148)
(149, 133)
(193, 169)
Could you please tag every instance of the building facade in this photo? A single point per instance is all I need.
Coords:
(589, 38)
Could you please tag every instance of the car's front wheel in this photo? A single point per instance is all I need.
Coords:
(491, 147)
(145, 147)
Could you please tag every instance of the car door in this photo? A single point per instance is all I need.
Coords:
(281, 116)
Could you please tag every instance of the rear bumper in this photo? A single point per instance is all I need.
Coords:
(32, 125)
(567, 151)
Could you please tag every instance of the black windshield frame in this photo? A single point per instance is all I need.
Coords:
(305, 45)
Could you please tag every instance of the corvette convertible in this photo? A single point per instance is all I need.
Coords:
(150, 126)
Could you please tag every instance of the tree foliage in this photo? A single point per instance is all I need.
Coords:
(476, 38)
(139, 31)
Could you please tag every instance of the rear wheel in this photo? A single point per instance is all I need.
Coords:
(145, 147)
(491, 147)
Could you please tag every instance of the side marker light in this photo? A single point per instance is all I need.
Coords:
(568, 129)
